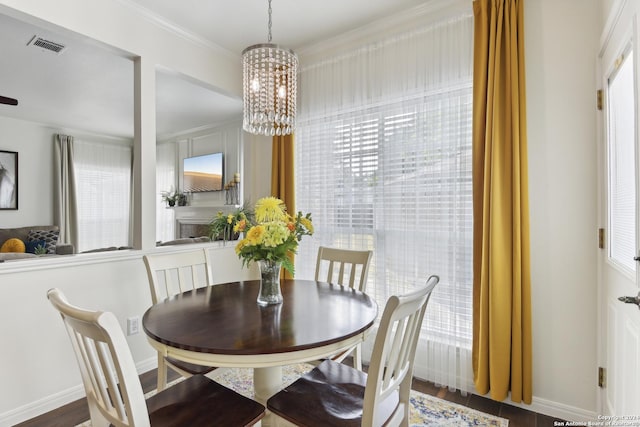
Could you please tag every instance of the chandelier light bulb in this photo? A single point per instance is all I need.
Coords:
(269, 87)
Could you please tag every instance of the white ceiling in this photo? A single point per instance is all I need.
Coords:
(82, 85)
(90, 89)
(237, 24)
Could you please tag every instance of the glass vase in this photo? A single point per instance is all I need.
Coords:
(269, 282)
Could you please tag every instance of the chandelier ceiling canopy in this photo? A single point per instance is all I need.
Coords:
(269, 86)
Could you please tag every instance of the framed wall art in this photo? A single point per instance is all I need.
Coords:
(8, 180)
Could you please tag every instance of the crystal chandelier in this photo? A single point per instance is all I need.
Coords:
(269, 83)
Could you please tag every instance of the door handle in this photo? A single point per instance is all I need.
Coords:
(631, 300)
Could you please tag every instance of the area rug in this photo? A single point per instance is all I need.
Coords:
(426, 411)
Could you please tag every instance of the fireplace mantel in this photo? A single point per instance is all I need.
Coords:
(200, 214)
(194, 220)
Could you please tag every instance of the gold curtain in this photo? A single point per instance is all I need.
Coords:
(282, 175)
(501, 270)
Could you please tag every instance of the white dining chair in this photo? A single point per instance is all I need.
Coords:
(344, 267)
(170, 274)
(335, 394)
(113, 388)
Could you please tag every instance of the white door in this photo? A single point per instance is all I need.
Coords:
(619, 322)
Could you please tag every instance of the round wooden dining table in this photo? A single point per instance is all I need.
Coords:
(223, 325)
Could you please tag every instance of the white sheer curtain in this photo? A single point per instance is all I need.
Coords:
(165, 181)
(383, 162)
(103, 180)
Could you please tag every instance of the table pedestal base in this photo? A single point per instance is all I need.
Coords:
(266, 383)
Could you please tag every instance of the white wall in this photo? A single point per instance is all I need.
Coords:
(34, 145)
(607, 6)
(561, 39)
(257, 166)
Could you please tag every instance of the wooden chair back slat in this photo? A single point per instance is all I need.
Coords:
(351, 266)
(172, 273)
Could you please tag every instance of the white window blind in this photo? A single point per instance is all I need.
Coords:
(103, 175)
(622, 170)
(385, 165)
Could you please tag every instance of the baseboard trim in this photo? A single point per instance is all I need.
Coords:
(550, 408)
(56, 400)
(557, 410)
(41, 406)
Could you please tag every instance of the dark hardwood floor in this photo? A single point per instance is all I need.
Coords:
(77, 412)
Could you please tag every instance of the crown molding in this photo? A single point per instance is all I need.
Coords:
(429, 11)
(612, 19)
(177, 30)
(197, 132)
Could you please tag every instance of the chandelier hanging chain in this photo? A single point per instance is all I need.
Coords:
(269, 21)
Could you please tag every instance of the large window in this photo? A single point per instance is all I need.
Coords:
(103, 180)
(385, 164)
(398, 183)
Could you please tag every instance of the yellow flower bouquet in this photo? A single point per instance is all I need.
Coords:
(274, 234)
(270, 240)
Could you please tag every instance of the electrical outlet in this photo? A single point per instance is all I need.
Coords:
(133, 325)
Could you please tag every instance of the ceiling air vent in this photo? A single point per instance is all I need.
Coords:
(47, 45)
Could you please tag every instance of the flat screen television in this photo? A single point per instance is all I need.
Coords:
(202, 173)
